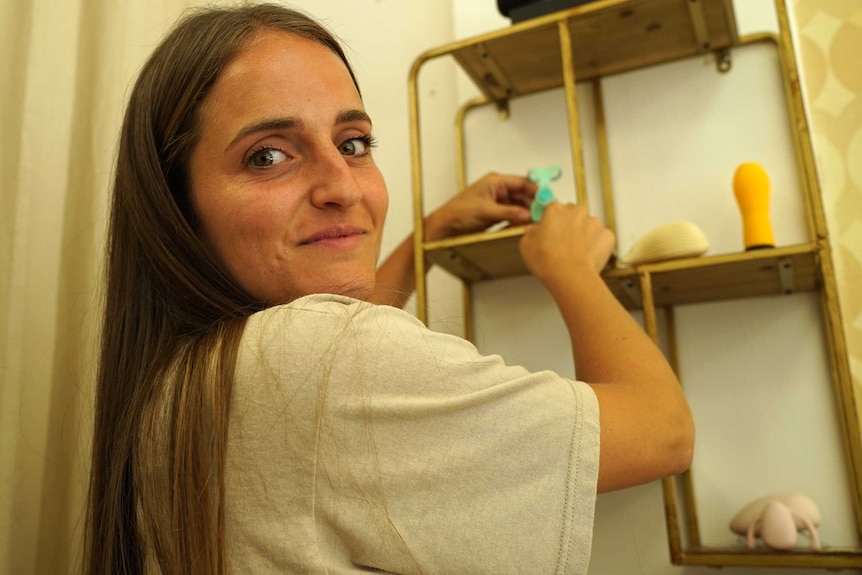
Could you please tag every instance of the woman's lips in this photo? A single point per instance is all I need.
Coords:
(336, 235)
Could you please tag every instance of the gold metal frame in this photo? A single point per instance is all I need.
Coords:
(807, 267)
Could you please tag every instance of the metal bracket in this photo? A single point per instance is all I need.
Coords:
(496, 79)
(698, 24)
(630, 286)
(466, 268)
(502, 106)
(723, 62)
(785, 275)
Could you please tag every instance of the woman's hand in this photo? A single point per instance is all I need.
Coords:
(493, 198)
(566, 240)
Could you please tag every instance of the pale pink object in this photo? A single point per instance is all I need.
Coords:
(776, 519)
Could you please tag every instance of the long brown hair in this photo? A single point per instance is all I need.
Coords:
(173, 317)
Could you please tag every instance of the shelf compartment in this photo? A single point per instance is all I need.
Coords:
(743, 557)
(609, 37)
(495, 255)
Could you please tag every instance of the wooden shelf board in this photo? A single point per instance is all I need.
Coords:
(609, 37)
(830, 558)
(481, 257)
(749, 274)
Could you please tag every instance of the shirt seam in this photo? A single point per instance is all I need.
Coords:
(567, 531)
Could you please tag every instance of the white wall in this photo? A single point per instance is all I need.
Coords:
(676, 134)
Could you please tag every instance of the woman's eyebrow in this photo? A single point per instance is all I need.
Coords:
(292, 123)
(264, 125)
(352, 116)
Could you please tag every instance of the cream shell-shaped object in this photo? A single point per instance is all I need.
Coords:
(777, 527)
(803, 505)
(776, 519)
(673, 240)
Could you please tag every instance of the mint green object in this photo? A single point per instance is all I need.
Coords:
(542, 177)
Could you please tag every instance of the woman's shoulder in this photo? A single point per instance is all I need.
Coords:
(327, 311)
(320, 325)
(321, 320)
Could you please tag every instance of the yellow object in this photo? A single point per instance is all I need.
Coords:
(751, 188)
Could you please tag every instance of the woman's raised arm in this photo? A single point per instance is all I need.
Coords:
(646, 426)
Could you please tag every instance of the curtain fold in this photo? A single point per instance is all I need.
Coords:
(63, 86)
(36, 193)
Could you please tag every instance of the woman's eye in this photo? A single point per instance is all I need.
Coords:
(356, 146)
(265, 158)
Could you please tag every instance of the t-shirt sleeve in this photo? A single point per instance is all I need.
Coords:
(433, 458)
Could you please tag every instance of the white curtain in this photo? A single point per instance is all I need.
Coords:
(66, 70)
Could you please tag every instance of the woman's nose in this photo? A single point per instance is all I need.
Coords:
(334, 184)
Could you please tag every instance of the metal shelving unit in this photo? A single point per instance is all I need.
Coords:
(609, 37)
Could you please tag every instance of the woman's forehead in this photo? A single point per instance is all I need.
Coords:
(278, 77)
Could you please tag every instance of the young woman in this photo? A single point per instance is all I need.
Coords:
(260, 409)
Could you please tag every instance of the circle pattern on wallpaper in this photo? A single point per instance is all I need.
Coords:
(845, 53)
(830, 162)
(853, 157)
(813, 66)
(805, 10)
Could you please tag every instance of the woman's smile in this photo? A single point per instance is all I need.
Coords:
(343, 236)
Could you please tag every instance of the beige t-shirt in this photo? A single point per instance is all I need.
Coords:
(360, 440)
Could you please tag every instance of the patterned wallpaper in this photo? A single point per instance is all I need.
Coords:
(830, 42)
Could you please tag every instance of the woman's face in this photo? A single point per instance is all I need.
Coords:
(285, 189)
